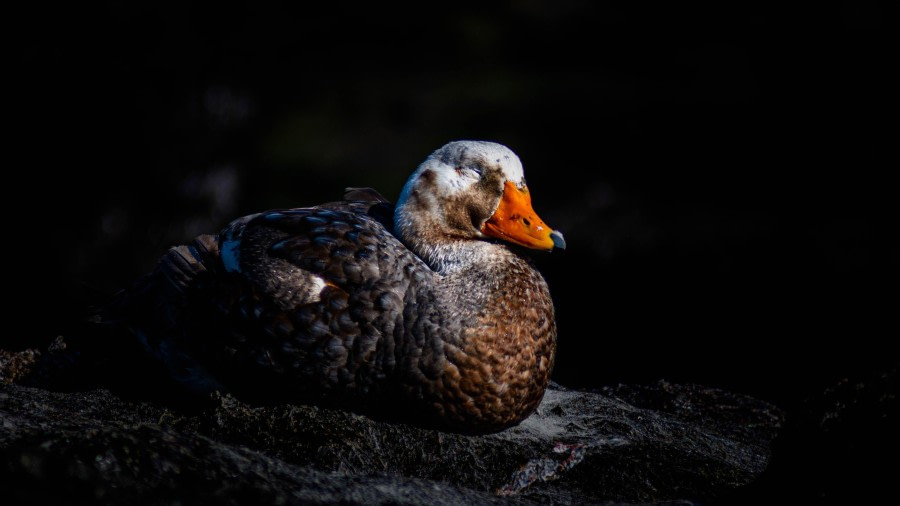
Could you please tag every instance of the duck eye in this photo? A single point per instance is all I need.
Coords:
(469, 170)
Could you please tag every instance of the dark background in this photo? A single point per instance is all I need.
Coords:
(720, 172)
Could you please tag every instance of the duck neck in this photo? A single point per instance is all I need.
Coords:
(463, 257)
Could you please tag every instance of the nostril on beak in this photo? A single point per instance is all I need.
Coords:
(527, 222)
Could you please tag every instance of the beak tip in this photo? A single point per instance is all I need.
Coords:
(558, 240)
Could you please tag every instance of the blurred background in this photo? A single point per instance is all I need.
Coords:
(720, 172)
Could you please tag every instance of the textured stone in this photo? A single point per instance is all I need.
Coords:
(666, 443)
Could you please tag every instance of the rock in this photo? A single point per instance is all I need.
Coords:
(657, 443)
(838, 446)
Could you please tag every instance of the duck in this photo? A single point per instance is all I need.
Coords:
(428, 312)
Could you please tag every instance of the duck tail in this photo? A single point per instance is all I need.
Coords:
(129, 337)
(182, 264)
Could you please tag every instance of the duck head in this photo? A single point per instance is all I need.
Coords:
(470, 191)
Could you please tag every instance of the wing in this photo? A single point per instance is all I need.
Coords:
(292, 255)
(301, 303)
(314, 295)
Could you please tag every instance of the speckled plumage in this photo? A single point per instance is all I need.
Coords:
(442, 326)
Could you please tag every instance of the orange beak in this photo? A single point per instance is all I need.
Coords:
(515, 221)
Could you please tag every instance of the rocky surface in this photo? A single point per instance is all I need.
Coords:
(654, 443)
(838, 446)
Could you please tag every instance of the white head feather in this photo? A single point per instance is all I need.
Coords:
(448, 172)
